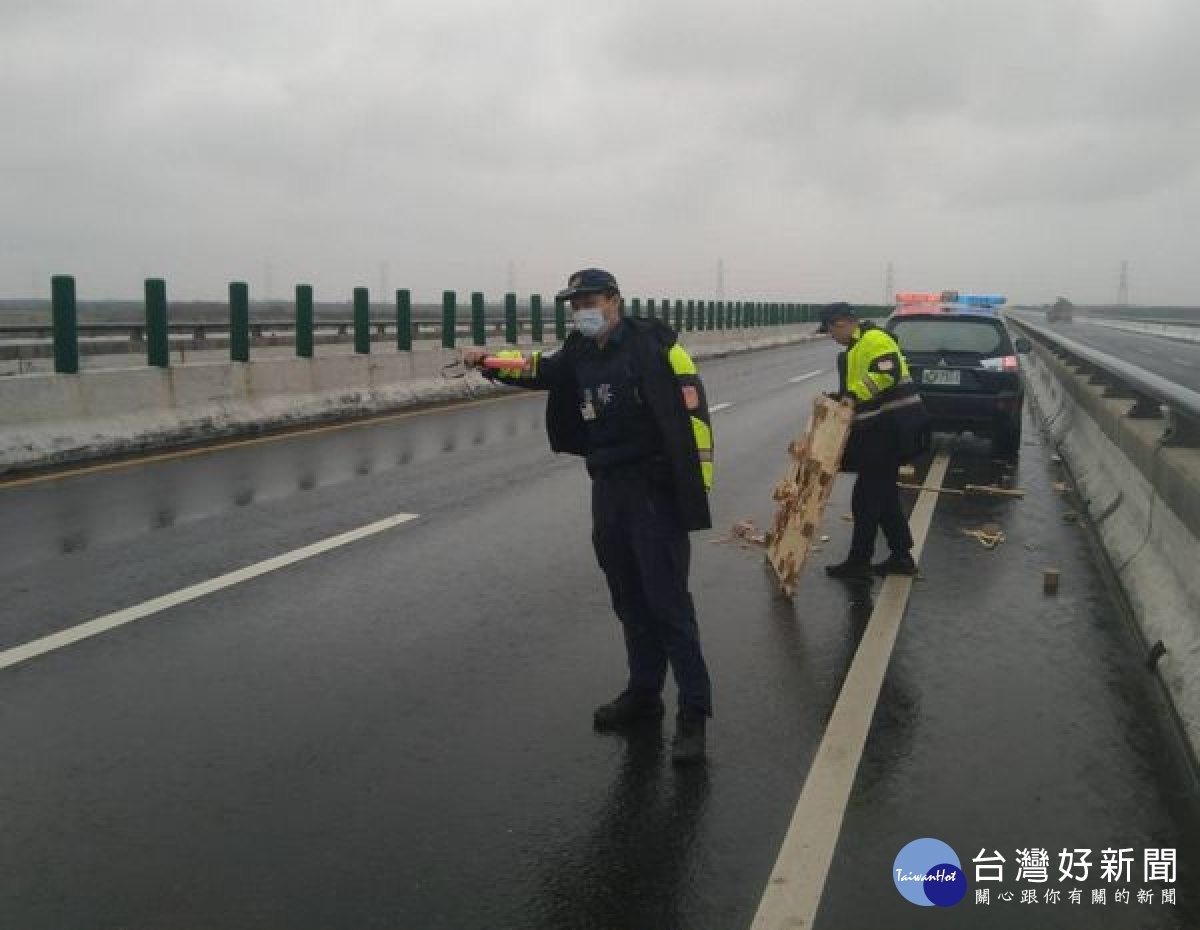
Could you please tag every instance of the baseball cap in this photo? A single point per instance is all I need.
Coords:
(588, 281)
(840, 310)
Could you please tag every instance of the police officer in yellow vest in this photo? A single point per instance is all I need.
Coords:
(625, 395)
(890, 427)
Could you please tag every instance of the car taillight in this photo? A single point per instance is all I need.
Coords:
(1006, 363)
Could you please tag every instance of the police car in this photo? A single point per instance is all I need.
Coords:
(964, 364)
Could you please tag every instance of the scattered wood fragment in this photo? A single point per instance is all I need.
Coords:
(970, 490)
(1050, 578)
(748, 531)
(989, 536)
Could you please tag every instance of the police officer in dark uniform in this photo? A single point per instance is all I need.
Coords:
(625, 395)
(890, 427)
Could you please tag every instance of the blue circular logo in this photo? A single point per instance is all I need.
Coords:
(927, 872)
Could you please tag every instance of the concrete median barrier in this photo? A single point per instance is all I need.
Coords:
(53, 419)
(1143, 498)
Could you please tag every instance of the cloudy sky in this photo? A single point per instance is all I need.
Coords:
(1025, 146)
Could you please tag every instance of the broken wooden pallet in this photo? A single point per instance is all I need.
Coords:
(805, 489)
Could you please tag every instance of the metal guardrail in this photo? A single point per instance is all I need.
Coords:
(155, 336)
(1153, 396)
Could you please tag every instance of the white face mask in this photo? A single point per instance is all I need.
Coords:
(590, 321)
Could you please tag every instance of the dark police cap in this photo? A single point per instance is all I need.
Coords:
(588, 281)
(839, 310)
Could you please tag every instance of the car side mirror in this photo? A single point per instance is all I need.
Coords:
(1023, 346)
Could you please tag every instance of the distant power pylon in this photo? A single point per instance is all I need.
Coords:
(720, 279)
(889, 284)
(1123, 286)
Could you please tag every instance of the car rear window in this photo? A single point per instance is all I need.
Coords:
(986, 338)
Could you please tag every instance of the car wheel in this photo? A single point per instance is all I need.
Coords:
(1006, 441)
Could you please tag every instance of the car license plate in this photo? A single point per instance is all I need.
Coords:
(942, 376)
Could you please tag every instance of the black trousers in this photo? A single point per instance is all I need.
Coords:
(875, 504)
(645, 554)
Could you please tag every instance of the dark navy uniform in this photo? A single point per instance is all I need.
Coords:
(634, 409)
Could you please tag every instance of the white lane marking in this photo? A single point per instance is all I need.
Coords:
(717, 408)
(798, 879)
(798, 379)
(63, 638)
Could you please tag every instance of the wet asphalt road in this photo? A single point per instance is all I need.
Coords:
(1173, 359)
(397, 733)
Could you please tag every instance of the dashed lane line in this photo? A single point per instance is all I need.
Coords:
(797, 882)
(75, 634)
(799, 378)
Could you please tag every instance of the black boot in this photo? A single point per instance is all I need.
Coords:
(896, 564)
(852, 569)
(688, 747)
(626, 710)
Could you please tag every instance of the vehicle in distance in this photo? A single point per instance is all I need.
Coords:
(1061, 311)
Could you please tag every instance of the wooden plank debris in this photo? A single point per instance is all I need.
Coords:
(805, 488)
(970, 490)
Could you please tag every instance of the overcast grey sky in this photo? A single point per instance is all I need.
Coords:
(1025, 146)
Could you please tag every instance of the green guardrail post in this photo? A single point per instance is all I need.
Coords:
(535, 317)
(510, 319)
(720, 314)
(404, 320)
(650, 308)
(362, 321)
(239, 321)
(712, 314)
(560, 321)
(666, 305)
(478, 319)
(66, 324)
(635, 307)
(449, 319)
(304, 321)
(689, 321)
(158, 346)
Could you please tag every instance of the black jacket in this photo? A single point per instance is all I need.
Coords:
(649, 342)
